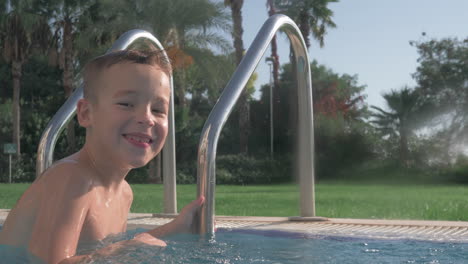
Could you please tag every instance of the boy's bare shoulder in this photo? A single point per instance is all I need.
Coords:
(128, 192)
(67, 175)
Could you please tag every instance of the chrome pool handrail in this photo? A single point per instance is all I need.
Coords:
(206, 171)
(53, 129)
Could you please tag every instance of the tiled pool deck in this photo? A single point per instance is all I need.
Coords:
(371, 228)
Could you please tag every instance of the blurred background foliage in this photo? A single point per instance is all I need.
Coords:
(418, 137)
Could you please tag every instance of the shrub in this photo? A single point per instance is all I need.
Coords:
(459, 175)
(241, 169)
(139, 175)
(184, 176)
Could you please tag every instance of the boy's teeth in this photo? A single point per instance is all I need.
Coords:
(139, 139)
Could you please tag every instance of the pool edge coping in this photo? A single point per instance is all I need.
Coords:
(449, 231)
(275, 219)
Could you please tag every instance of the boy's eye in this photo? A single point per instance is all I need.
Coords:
(157, 111)
(125, 104)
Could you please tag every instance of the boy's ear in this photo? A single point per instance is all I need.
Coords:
(83, 112)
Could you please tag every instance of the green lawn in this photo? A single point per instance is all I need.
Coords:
(333, 200)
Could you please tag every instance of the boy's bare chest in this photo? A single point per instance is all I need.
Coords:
(105, 217)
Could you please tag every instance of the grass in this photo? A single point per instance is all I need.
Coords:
(343, 200)
(10, 193)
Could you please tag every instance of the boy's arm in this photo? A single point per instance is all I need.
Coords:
(64, 205)
(113, 248)
(66, 199)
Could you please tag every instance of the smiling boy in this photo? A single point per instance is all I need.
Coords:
(85, 197)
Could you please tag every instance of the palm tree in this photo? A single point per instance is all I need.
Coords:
(74, 30)
(19, 27)
(244, 106)
(404, 115)
(185, 29)
(274, 49)
(313, 17)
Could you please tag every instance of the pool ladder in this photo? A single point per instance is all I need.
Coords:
(206, 172)
(206, 178)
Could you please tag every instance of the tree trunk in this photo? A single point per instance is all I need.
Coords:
(274, 50)
(404, 147)
(244, 123)
(244, 107)
(68, 78)
(275, 62)
(304, 26)
(293, 94)
(182, 73)
(181, 76)
(155, 170)
(293, 104)
(16, 74)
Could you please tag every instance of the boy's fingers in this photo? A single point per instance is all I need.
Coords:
(201, 200)
(195, 204)
(198, 202)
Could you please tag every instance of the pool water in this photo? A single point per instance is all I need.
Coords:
(248, 246)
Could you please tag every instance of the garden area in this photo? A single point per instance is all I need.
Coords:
(333, 200)
(406, 159)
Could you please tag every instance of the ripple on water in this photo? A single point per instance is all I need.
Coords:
(248, 247)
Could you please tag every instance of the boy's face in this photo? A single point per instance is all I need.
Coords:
(129, 121)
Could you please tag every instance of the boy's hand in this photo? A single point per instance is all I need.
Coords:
(112, 249)
(185, 222)
(76, 259)
(149, 240)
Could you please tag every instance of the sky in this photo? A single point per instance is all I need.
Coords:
(371, 39)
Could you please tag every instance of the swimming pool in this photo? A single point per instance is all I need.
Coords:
(267, 246)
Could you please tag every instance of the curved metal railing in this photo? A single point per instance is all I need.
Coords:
(220, 113)
(51, 133)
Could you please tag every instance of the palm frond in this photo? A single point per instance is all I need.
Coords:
(208, 40)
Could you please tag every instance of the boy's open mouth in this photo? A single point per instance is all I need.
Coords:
(140, 138)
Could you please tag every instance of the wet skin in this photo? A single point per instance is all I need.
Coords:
(85, 197)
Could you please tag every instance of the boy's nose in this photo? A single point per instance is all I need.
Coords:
(146, 117)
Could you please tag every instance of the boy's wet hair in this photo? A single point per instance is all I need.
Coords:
(94, 68)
